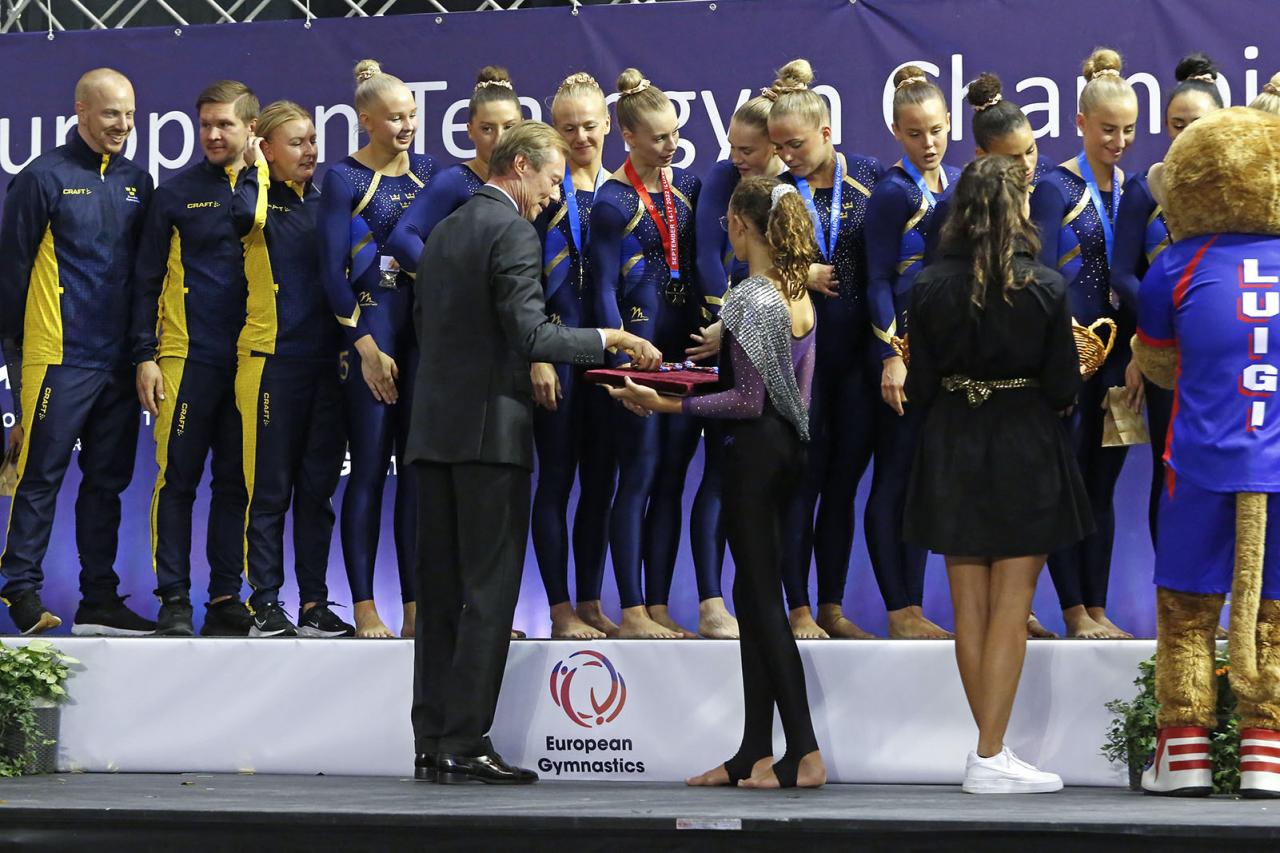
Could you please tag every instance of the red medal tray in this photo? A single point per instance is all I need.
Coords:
(679, 382)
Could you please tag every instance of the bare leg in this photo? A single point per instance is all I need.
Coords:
(970, 579)
(368, 622)
(1013, 584)
(565, 624)
(803, 626)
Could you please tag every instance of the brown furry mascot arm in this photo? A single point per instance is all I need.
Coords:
(1159, 364)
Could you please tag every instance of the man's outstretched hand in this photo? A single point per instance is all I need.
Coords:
(644, 355)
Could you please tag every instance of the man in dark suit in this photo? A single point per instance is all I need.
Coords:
(481, 320)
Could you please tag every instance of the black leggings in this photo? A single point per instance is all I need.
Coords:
(764, 467)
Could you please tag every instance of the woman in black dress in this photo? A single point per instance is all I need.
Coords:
(995, 486)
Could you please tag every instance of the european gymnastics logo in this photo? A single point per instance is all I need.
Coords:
(595, 666)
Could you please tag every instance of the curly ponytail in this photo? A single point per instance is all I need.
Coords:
(785, 226)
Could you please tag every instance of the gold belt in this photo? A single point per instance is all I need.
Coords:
(979, 390)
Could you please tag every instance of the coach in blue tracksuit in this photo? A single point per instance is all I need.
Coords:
(188, 293)
(67, 241)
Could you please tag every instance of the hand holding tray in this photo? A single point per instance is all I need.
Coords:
(680, 380)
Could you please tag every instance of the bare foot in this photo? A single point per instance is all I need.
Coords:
(831, 619)
(368, 623)
(1036, 630)
(718, 777)
(593, 614)
(636, 625)
(1221, 633)
(811, 774)
(1081, 626)
(661, 614)
(565, 625)
(1099, 615)
(714, 621)
(517, 634)
(803, 627)
(909, 623)
(409, 627)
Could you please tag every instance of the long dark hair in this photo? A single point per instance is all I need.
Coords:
(988, 219)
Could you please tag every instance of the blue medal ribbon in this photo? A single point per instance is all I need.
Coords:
(571, 213)
(914, 174)
(1108, 231)
(837, 188)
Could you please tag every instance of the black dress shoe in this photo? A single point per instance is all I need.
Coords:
(424, 767)
(489, 768)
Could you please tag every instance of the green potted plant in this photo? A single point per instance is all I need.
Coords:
(1131, 737)
(31, 687)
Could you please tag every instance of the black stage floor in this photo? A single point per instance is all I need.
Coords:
(189, 812)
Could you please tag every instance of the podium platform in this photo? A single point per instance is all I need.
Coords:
(620, 710)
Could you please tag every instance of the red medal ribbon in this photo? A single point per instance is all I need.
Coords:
(667, 229)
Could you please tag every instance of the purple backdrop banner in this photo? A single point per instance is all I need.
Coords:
(709, 57)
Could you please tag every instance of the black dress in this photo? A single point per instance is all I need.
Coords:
(998, 479)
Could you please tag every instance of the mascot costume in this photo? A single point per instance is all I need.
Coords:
(1209, 328)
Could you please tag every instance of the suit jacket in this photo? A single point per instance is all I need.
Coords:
(481, 320)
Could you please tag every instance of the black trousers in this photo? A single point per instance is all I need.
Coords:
(473, 525)
(764, 468)
(294, 443)
(197, 415)
(61, 405)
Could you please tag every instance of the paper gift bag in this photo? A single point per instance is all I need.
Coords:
(1122, 425)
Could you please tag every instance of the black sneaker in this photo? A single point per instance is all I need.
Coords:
(270, 620)
(110, 619)
(175, 617)
(227, 618)
(320, 621)
(28, 613)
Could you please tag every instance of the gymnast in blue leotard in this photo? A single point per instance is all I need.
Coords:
(1141, 235)
(361, 199)
(642, 279)
(901, 216)
(845, 386)
(494, 109)
(1075, 207)
(570, 422)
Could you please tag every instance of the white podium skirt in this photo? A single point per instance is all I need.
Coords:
(623, 710)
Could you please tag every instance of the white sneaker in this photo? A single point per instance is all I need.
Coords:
(1260, 763)
(1181, 765)
(1005, 773)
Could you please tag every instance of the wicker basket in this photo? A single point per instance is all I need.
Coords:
(901, 348)
(1092, 349)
